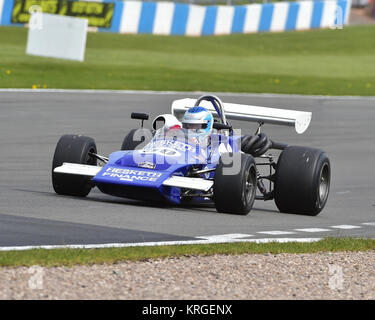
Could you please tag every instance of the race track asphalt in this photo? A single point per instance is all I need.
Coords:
(32, 214)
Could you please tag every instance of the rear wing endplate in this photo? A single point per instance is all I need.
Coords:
(300, 120)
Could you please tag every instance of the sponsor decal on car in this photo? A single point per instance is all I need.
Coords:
(147, 165)
(131, 174)
(172, 144)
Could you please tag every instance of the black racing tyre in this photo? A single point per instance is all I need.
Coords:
(235, 193)
(73, 149)
(302, 181)
(136, 138)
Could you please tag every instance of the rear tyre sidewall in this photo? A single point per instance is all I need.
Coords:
(73, 149)
(299, 188)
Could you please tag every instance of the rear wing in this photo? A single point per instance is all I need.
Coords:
(300, 120)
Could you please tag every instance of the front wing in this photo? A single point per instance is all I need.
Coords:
(173, 181)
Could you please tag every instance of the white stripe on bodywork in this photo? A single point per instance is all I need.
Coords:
(224, 20)
(279, 16)
(304, 15)
(78, 169)
(252, 18)
(163, 18)
(189, 183)
(130, 16)
(195, 20)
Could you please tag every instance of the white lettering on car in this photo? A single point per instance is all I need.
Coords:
(131, 175)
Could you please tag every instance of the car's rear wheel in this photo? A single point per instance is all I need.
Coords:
(303, 177)
(136, 138)
(235, 183)
(73, 149)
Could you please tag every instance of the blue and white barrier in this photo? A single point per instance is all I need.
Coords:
(169, 18)
(192, 20)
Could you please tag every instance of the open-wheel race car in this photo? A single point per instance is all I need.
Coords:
(194, 155)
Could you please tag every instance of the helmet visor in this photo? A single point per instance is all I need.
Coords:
(194, 126)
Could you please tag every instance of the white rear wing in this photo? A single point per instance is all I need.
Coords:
(300, 120)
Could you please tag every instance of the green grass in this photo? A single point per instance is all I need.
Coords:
(69, 257)
(325, 62)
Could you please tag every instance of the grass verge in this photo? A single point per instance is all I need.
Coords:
(324, 62)
(70, 257)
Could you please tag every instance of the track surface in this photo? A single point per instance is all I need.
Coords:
(32, 214)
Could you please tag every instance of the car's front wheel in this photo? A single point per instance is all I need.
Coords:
(235, 183)
(73, 149)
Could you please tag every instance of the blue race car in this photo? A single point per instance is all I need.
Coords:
(200, 159)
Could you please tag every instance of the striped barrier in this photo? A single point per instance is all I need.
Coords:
(169, 18)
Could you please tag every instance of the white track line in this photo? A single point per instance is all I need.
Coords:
(162, 243)
(183, 93)
(276, 232)
(225, 237)
(346, 227)
(313, 230)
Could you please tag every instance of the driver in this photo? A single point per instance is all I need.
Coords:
(197, 123)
